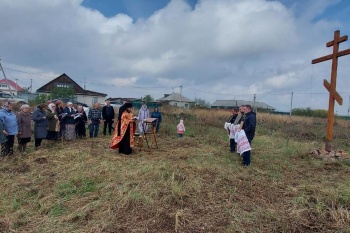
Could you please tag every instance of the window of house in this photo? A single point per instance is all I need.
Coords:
(3, 85)
(186, 105)
(175, 104)
(5, 95)
(94, 100)
(65, 85)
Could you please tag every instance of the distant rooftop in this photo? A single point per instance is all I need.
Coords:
(175, 97)
(237, 103)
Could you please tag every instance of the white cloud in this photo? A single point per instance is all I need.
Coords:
(283, 81)
(226, 47)
(130, 81)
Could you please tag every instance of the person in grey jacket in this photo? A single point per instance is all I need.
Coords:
(24, 120)
(11, 127)
(40, 125)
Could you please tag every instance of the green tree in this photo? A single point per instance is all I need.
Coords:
(200, 103)
(148, 98)
(62, 92)
(43, 98)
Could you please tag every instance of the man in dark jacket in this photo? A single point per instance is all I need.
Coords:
(249, 126)
(108, 117)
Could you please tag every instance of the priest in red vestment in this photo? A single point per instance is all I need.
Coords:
(123, 137)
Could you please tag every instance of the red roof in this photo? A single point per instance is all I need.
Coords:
(13, 84)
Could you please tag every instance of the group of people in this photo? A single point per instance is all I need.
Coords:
(51, 122)
(246, 119)
(144, 114)
(123, 138)
(54, 121)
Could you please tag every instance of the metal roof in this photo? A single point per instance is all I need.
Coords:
(175, 97)
(237, 103)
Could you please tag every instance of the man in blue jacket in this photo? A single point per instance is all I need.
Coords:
(249, 126)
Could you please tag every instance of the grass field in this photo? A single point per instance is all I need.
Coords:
(193, 184)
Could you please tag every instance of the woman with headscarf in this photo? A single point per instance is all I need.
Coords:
(80, 120)
(69, 122)
(52, 122)
(143, 114)
(10, 127)
(40, 125)
(60, 114)
(24, 120)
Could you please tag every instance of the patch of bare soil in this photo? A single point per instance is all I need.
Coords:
(41, 160)
(18, 168)
(4, 226)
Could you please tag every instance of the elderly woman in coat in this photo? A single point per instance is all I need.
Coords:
(10, 127)
(80, 120)
(52, 120)
(69, 122)
(60, 114)
(40, 125)
(24, 120)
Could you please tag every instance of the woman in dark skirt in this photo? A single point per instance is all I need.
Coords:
(60, 114)
(24, 119)
(52, 122)
(80, 120)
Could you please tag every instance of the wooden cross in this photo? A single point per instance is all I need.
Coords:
(333, 94)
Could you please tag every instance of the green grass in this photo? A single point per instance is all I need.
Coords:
(192, 184)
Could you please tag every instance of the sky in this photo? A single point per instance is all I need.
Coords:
(207, 49)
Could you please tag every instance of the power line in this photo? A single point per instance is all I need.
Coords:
(190, 89)
(94, 83)
(25, 72)
(214, 93)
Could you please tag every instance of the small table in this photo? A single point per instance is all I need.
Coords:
(149, 124)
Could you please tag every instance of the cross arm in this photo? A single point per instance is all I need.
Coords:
(330, 56)
(341, 39)
(333, 92)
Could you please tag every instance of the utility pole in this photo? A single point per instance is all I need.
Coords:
(16, 86)
(291, 104)
(180, 93)
(349, 106)
(85, 89)
(254, 107)
(31, 82)
(7, 82)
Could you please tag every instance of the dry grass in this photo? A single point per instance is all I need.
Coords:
(191, 184)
